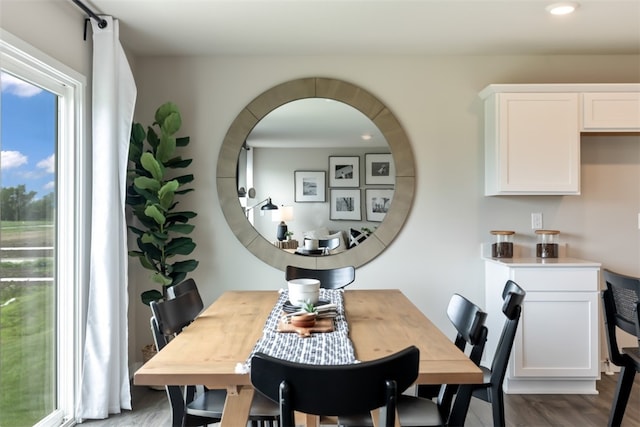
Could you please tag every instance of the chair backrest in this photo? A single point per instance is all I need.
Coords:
(336, 390)
(327, 243)
(172, 315)
(469, 321)
(182, 288)
(621, 301)
(168, 319)
(513, 297)
(334, 278)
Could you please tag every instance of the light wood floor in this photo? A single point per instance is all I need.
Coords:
(151, 408)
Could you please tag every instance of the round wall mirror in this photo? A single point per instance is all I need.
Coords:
(250, 128)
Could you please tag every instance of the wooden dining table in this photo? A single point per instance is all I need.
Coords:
(381, 322)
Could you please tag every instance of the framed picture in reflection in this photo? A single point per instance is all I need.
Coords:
(344, 171)
(377, 203)
(379, 169)
(310, 186)
(345, 204)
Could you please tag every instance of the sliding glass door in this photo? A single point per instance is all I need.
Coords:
(40, 223)
(27, 252)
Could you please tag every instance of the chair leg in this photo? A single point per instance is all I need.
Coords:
(621, 396)
(497, 406)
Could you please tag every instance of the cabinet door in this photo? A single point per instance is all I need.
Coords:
(557, 336)
(611, 112)
(536, 149)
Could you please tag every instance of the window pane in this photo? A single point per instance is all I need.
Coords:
(28, 129)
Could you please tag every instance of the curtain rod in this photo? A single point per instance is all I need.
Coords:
(102, 23)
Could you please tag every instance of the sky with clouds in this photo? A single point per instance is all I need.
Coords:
(27, 136)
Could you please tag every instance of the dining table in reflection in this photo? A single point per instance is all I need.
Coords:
(222, 337)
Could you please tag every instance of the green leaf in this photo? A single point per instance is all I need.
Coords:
(166, 147)
(177, 277)
(185, 266)
(180, 246)
(160, 279)
(181, 216)
(182, 141)
(151, 165)
(177, 162)
(146, 263)
(148, 296)
(171, 123)
(164, 111)
(153, 212)
(137, 134)
(184, 179)
(180, 228)
(165, 194)
(152, 138)
(151, 238)
(146, 183)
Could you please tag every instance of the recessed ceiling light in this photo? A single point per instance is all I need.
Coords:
(563, 8)
(366, 136)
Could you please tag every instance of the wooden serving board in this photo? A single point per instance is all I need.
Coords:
(322, 325)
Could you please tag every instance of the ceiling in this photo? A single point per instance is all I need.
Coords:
(370, 27)
(364, 27)
(315, 122)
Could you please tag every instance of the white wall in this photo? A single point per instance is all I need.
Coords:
(436, 99)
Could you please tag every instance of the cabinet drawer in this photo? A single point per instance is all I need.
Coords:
(557, 279)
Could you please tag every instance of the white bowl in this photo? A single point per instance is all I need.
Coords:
(303, 290)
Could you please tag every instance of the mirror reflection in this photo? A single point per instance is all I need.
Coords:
(328, 170)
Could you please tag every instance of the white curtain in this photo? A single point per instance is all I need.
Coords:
(105, 374)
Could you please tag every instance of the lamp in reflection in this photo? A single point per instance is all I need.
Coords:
(267, 207)
(282, 215)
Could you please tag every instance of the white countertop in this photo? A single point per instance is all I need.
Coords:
(543, 262)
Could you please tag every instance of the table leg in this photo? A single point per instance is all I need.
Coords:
(237, 406)
(307, 420)
(375, 417)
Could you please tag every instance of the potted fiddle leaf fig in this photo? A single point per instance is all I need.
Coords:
(155, 181)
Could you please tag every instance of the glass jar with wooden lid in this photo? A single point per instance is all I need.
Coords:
(502, 246)
(547, 246)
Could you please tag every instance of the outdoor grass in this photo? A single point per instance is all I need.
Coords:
(27, 326)
(27, 331)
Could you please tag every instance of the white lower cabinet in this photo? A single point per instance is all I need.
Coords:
(556, 347)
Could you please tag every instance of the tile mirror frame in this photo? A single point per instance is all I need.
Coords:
(316, 87)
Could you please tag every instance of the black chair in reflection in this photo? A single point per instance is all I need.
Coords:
(335, 390)
(469, 321)
(189, 408)
(621, 302)
(334, 278)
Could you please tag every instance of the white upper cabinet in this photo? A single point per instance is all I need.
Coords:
(532, 132)
(611, 112)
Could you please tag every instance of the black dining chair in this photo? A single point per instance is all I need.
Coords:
(182, 288)
(469, 321)
(335, 390)
(168, 319)
(621, 302)
(334, 278)
(491, 389)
